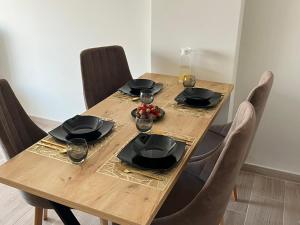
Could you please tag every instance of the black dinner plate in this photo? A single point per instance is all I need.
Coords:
(156, 153)
(139, 84)
(198, 94)
(205, 104)
(82, 125)
(162, 114)
(60, 134)
(132, 92)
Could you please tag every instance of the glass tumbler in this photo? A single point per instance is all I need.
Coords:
(189, 81)
(146, 96)
(144, 124)
(77, 150)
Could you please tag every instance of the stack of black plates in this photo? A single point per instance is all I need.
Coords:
(154, 151)
(199, 97)
(133, 87)
(90, 128)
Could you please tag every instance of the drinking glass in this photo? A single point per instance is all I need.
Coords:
(77, 150)
(189, 81)
(146, 96)
(144, 124)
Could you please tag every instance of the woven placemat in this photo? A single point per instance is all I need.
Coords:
(197, 112)
(154, 179)
(123, 96)
(63, 157)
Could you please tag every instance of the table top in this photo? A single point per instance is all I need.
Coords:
(127, 202)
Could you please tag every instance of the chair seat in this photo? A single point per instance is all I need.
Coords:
(184, 191)
(208, 144)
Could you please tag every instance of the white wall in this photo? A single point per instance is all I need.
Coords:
(210, 27)
(40, 43)
(271, 40)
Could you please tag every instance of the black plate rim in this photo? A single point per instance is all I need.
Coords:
(100, 123)
(125, 89)
(110, 125)
(186, 95)
(214, 101)
(139, 88)
(177, 153)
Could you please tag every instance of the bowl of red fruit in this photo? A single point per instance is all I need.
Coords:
(148, 110)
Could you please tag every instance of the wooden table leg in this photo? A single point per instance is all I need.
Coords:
(45, 214)
(38, 216)
(103, 221)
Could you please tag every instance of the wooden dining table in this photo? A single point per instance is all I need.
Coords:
(100, 186)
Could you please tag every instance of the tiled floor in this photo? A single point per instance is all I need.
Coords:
(261, 201)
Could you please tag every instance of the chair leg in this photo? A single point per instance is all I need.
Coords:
(38, 216)
(103, 221)
(222, 221)
(234, 193)
(45, 214)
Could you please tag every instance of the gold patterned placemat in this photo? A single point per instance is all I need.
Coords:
(150, 178)
(197, 112)
(63, 157)
(123, 96)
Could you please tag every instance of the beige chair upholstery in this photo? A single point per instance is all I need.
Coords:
(257, 97)
(192, 201)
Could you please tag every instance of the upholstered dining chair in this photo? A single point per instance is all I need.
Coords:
(104, 70)
(193, 201)
(258, 98)
(18, 132)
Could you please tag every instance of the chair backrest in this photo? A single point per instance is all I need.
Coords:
(17, 130)
(104, 70)
(259, 95)
(209, 205)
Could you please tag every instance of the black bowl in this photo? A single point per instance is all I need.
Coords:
(198, 94)
(82, 125)
(139, 84)
(154, 146)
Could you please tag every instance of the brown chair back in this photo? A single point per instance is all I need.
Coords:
(18, 132)
(104, 70)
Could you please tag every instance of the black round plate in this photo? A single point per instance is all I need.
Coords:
(162, 114)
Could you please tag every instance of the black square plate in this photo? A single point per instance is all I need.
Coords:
(61, 134)
(199, 103)
(128, 91)
(139, 84)
(155, 152)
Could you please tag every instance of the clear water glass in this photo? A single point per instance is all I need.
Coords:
(146, 96)
(77, 150)
(144, 124)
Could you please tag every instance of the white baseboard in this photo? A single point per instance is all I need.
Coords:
(271, 172)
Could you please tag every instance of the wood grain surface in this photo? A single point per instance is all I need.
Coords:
(104, 196)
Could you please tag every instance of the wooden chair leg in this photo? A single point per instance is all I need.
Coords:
(234, 193)
(222, 221)
(45, 214)
(38, 216)
(103, 222)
